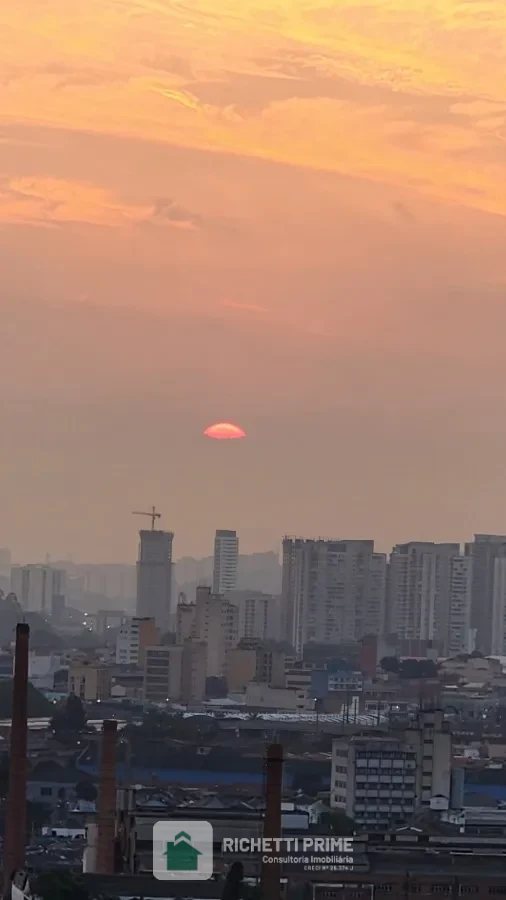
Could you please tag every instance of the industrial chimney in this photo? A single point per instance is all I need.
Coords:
(271, 872)
(107, 801)
(15, 816)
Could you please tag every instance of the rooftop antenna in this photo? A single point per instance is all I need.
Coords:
(153, 515)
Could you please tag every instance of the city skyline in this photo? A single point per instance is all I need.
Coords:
(290, 216)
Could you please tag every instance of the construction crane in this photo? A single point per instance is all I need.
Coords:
(153, 515)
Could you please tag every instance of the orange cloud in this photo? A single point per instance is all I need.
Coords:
(396, 91)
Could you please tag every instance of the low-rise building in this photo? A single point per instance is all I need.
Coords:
(89, 680)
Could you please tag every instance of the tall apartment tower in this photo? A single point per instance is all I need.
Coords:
(216, 624)
(332, 591)
(154, 577)
(36, 586)
(428, 592)
(226, 554)
(484, 551)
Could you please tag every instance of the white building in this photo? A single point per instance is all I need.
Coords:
(459, 620)
(425, 581)
(484, 550)
(154, 577)
(379, 781)
(36, 585)
(258, 614)
(332, 591)
(226, 554)
(216, 624)
(135, 634)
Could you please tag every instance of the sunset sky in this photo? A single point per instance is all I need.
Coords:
(289, 214)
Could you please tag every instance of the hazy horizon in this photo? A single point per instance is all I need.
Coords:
(290, 216)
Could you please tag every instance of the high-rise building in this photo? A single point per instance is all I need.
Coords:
(216, 625)
(36, 586)
(5, 562)
(381, 781)
(185, 622)
(258, 615)
(484, 550)
(332, 591)
(498, 641)
(421, 575)
(154, 577)
(459, 618)
(226, 554)
(162, 673)
(194, 672)
(134, 636)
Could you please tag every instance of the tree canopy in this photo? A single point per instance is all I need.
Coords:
(38, 706)
(69, 719)
(60, 886)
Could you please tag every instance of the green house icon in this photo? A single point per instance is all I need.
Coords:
(180, 855)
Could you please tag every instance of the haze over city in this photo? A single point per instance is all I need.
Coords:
(286, 215)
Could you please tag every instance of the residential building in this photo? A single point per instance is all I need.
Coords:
(134, 636)
(484, 550)
(459, 619)
(5, 562)
(423, 578)
(270, 666)
(216, 625)
(90, 681)
(154, 577)
(162, 673)
(226, 554)
(332, 591)
(240, 668)
(382, 780)
(36, 586)
(498, 639)
(298, 675)
(185, 621)
(194, 672)
(258, 614)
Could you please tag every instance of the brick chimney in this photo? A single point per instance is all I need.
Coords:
(15, 815)
(271, 872)
(107, 801)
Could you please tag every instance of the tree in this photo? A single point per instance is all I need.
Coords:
(216, 687)
(38, 706)
(390, 664)
(86, 790)
(60, 886)
(233, 887)
(69, 719)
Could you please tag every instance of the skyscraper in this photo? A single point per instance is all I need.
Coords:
(154, 577)
(428, 593)
(484, 550)
(332, 591)
(226, 553)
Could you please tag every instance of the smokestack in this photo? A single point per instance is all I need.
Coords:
(271, 872)
(15, 816)
(107, 801)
